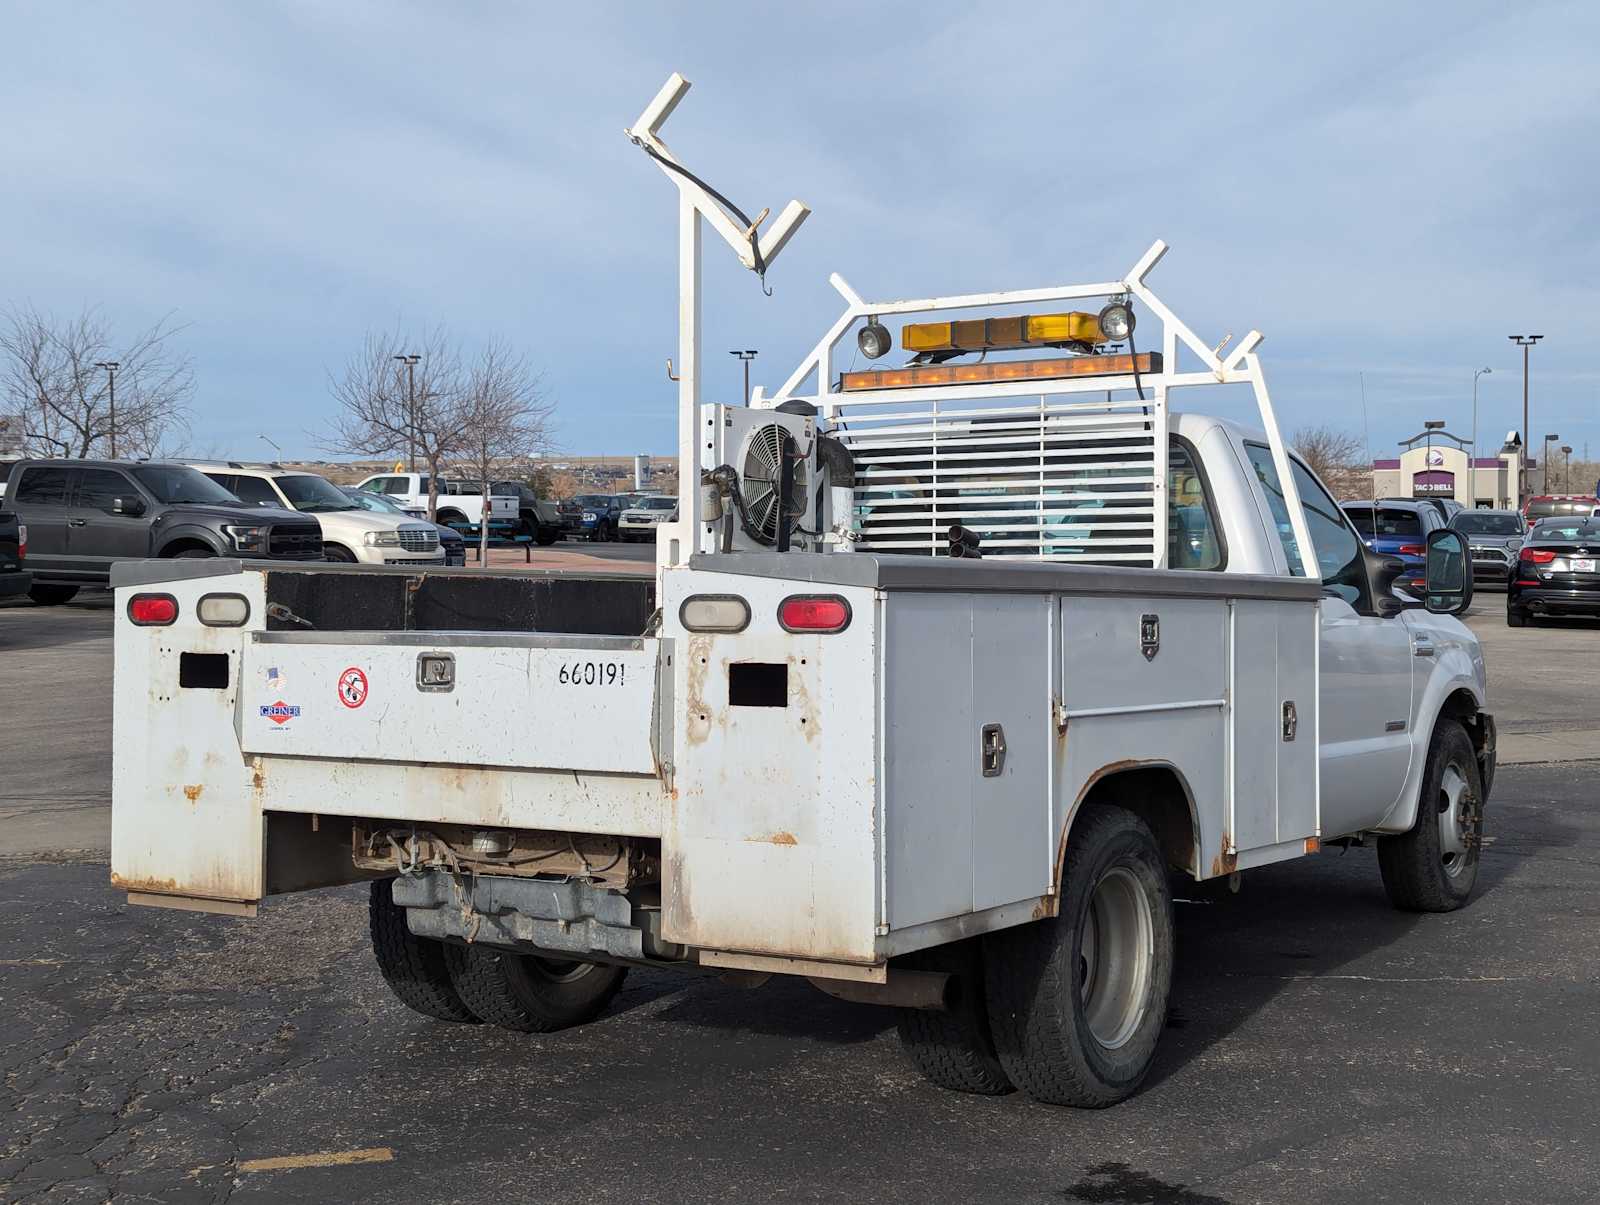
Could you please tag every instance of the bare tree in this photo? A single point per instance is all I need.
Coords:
(503, 417)
(1334, 455)
(59, 395)
(388, 408)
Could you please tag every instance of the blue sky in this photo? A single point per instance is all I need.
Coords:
(1380, 188)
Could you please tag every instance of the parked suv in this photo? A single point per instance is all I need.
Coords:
(349, 533)
(84, 515)
(1494, 537)
(592, 515)
(1397, 527)
(14, 575)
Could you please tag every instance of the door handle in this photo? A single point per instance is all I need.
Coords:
(77, 522)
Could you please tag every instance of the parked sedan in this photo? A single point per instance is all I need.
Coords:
(1494, 537)
(450, 540)
(1557, 572)
(640, 520)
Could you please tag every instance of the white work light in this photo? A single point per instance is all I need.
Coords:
(873, 339)
(1116, 321)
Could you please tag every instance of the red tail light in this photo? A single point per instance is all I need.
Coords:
(814, 613)
(152, 610)
(1538, 556)
(1413, 550)
(22, 541)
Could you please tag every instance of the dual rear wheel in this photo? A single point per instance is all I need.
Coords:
(469, 984)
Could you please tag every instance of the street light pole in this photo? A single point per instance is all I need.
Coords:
(411, 408)
(1472, 473)
(747, 355)
(111, 367)
(1524, 342)
(1544, 455)
(1566, 468)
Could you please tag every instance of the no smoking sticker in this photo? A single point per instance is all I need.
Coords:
(353, 687)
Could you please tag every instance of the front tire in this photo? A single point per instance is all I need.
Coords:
(342, 556)
(47, 594)
(954, 1049)
(413, 967)
(546, 536)
(1077, 1002)
(1434, 867)
(530, 994)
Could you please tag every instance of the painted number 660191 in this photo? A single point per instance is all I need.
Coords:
(593, 673)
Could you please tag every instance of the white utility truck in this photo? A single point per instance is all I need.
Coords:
(945, 668)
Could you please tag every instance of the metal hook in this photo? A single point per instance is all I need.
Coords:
(671, 376)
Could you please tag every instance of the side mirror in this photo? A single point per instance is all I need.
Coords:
(132, 507)
(1448, 573)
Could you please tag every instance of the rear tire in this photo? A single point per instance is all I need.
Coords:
(451, 517)
(194, 554)
(49, 595)
(1516, 617)
(1077, 1002)
(413, 967)
(530, 994)
(1434, 867)
(954, 1049)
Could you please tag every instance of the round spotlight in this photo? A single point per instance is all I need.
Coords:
(1116, 321)
(873, 339)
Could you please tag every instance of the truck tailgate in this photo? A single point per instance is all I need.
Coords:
(583, 703)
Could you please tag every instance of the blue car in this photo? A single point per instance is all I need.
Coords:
(1397, 528)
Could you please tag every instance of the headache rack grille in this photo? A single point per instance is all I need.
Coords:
(1038, 479)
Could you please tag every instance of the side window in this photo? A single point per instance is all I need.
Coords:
(375, 486)
(1339, 560)
(254, 490)
(398, 486)
(43, 486)
(97, 487)
(1192, 540)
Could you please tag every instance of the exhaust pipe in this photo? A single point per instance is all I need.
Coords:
(964, 543)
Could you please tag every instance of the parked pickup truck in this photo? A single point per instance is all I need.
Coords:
(14, 576)
(952, 782)
(83, 516)
(456, 503)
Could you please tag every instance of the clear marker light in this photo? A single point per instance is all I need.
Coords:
(714, 613)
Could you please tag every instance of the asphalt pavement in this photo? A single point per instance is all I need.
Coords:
(1320, 1046)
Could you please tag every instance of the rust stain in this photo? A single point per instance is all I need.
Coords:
(155, 886)
(778, 838)
(800, 698)
(192, 793)
(1225, 862)
(697, 721)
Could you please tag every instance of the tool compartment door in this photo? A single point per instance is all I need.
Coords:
(508, 700)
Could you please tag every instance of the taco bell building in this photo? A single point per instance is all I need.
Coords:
(1437, 464)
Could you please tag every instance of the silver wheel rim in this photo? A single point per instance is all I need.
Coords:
(1455, 796)
(1115, 956)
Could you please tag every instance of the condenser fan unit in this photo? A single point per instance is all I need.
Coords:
(759, 475)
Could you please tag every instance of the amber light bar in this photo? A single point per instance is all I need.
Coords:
(1002, 334)
(920, 375)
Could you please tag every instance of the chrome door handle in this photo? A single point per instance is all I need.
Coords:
(77, 522)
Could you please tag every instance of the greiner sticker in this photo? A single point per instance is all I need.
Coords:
(280, 713)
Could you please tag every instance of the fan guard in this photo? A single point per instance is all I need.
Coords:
(759, 476)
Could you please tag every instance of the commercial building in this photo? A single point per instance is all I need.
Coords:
(1436, 464)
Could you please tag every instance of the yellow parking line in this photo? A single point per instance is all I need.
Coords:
(284, 1163)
